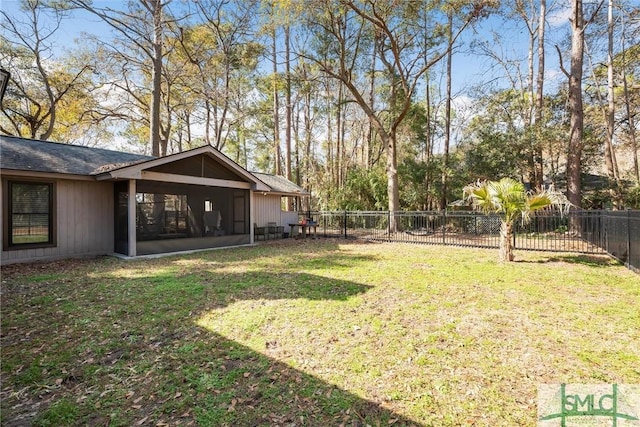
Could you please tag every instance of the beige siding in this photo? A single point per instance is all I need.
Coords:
(289, 218)
(84, 216)
(267, 208)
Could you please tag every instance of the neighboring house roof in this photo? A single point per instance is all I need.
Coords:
(280, 184)
(23, 154)
(43, 156)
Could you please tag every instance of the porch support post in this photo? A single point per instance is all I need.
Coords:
(251, 216)
(131, 218)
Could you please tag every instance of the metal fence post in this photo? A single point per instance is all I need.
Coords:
(444, 226)
(604, 225)
(475, 223)
(602, 229)
(628, 233)
(345, 224)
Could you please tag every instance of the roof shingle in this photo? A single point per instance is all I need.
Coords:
(45, 156)
(23, 154)
(279, 184)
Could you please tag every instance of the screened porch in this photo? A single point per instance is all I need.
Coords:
(173, 217)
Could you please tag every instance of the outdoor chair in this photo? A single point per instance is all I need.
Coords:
(259, 232)
(277, 231)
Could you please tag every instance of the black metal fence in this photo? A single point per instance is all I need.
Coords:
(613, 232)
(618, 235)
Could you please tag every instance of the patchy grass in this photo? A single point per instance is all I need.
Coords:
(311, 333)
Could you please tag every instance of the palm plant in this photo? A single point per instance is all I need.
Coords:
(509, 198)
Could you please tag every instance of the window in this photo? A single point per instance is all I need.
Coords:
(30, 214)
(288, 204)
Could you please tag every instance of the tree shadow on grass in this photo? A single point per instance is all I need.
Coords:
(242, 387)
(111, 350)
(597, 261)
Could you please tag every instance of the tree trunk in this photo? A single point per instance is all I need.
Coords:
(187, 120)
(393, 192)
(306, 158)
(52, 102)
(609, 153)
(328, 164)
(308, 132)
(428, 148)
(368, 148)
(287, 130)
(447, 135)
(506, 242)
(574, 156)
(538, 155)
(154, 120)
(429, 203)
(297, 130)
(530, 112)
(276, 105)
(630, 116)
(336, 156)
(340, 134)
(632, 128)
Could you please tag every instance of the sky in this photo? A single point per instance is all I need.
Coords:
(470, 68)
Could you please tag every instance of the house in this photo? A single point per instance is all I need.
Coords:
(62, 201)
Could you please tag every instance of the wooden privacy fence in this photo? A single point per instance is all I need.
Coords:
(584, 231)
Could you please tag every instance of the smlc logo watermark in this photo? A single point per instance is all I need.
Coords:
(601, 405)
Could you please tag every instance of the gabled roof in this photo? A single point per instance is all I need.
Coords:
(23, 154)
(136, 170)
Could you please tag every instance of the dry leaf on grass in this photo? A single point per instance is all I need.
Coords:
(142, 421)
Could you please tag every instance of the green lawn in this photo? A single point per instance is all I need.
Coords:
(308, 333)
